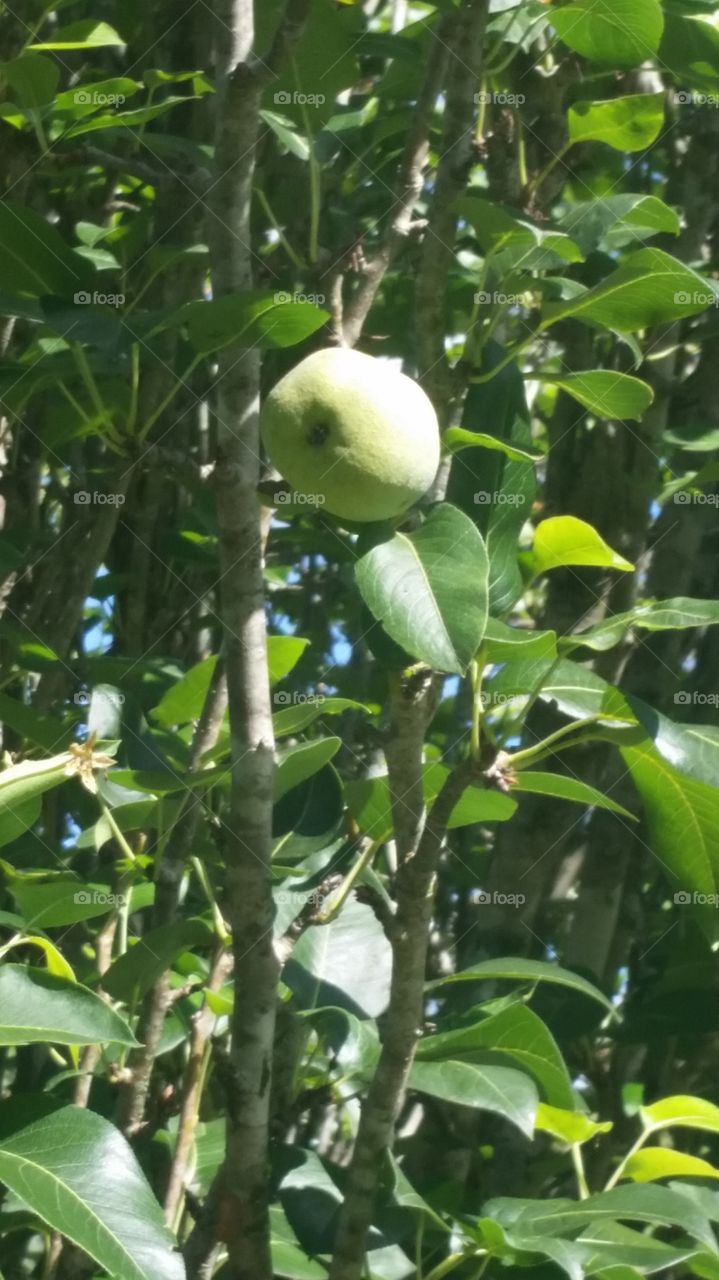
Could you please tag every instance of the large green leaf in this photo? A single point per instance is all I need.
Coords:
(682, 815)
(604, 392)
(347, 963)
(324, 64)
(496, 492)
(658, 615)
(611, 222)
(62, 899)
(37, 1007)
(35, 259)
(682, 1111)
(33, 78)
(652, 1163)
(622, 33)
(513, 237)
(627, 124)
(564, 787)
(368, 800)
(515, 1032)
(251, 319)
(656, 1206)
(133, 973)
(299, 763)
(517, 969)
(89, 33)
(76, 1171)
(503, 1090)
(649, 288)
(429, 588)
(565, 540)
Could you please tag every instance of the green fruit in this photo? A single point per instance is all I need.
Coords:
(352, 435)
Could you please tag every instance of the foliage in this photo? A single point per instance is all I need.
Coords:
(496, 794)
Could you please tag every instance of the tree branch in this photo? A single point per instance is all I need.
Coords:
(408, 188)
(457, 156)
(409, 933)
(243, 1212)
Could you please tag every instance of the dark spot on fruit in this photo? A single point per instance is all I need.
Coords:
(318, 434)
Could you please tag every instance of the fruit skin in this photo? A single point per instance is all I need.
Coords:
(349, 432)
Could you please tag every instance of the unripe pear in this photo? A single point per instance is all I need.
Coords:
(352, 434)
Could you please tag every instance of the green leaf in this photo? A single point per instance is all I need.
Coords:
(515, 238)
(283, 654)
(507, 644)
(564, 787)
(627, 124)
(50, 1157)
(297, 764)
(657, 615)
(87, 34)
(347, 963)
(520, 970)
(288, 1257)
(61, 900)
(368, 800)
(503, 1090)
(251, 319)
(652, 1163)
(38, 1007)
(611, 222)
(56, 962)
(429, 588)
(133, 973)
(683, 1111)
(649, 288)
(324, 64)
(34, 79)
(295, 718)
(22, 782)
(622, 33)
(456, 438)
(185, 699)
(654, 1205)
(497, 492)
(18, 819)
(34, 258)
(569, 1126)
(564, 540)
(605, 393)
(294, 142)
(682, 815)
(44, 730)
(515, 1032)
